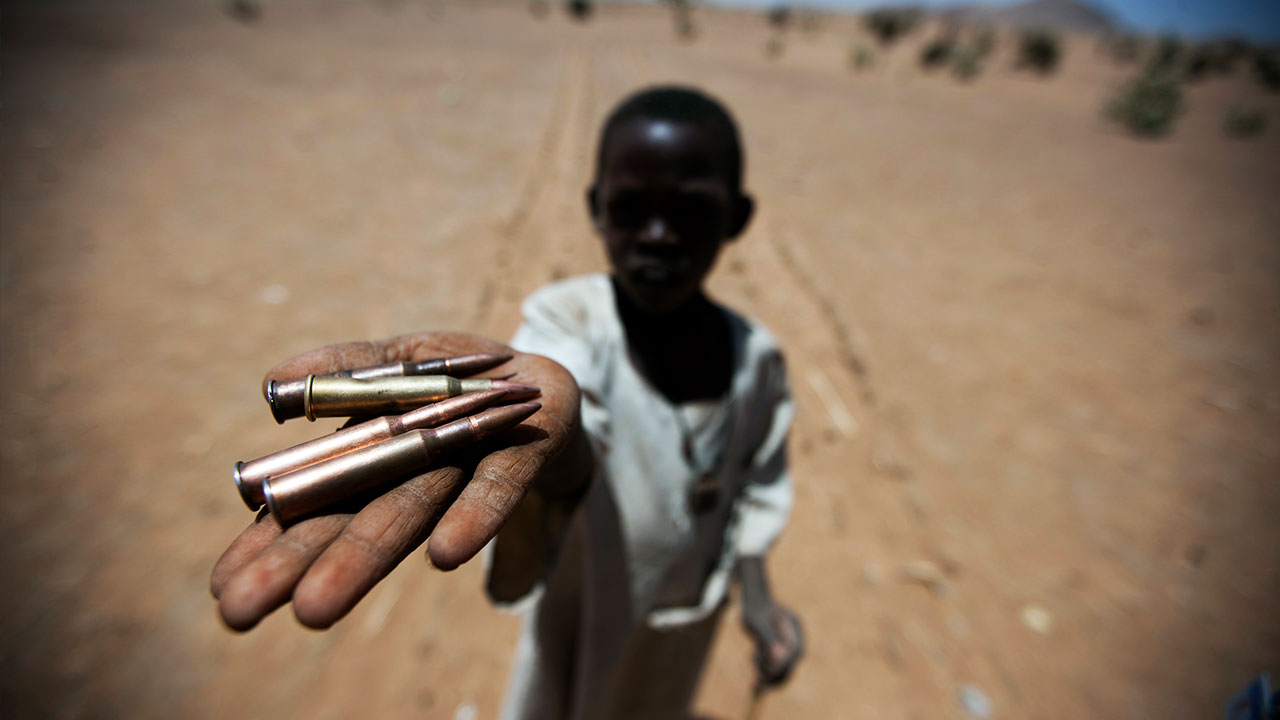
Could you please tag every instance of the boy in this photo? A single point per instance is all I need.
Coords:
(687, 408)
(648, 491)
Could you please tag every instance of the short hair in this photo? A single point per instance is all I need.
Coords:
(679, 104)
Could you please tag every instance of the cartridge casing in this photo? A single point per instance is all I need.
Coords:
(285, 397)
(307, 490)
(250, 475)
(347, 397)
(311, 488)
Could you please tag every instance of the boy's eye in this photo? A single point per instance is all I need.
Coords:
(690, 215)
(694, 214)
(627, 211)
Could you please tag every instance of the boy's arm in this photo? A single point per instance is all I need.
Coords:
(325, 565)
(526, 545)
(556, 324)
(764, 508)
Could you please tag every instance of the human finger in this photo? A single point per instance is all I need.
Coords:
(503, 477)
(331, 358)
(382, 534)
(267, 581)
(244, 548)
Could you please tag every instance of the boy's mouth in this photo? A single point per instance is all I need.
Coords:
(661, 276)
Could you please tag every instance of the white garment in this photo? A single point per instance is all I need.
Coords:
(623, 621)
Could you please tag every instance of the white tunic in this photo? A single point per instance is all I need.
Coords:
(622, 622)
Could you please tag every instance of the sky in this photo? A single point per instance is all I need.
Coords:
(1256, 19)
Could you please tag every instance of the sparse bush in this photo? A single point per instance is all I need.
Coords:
(579, 10)
(774, 48)
(937, 52)
(1167, 53)
(779, 16)
(1199, 64)
(1266, 66)
(686, 30)
(862, 58)
(1148, 105)
(245, 11)
(1214, 58)
(682, 19)
(1039, 50)
(966, 63)
(889, 24)
(1243, 124)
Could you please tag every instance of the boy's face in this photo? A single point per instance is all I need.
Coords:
(664, 205)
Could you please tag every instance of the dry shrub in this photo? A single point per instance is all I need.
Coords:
(1266, 67)
(579, 10)
(1218, 57)
(1148, 105)
(937, 52)
(862, 57)
(778, 16)
(774, 48)
(1242, 124)
(966, 63)
(1166, 54)
(246, 11)
(890, 24)
(1039, 50)
(682, 19)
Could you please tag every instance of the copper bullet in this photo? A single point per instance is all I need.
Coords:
(285, 396)
(307, 490)
(249, 476)
(347, 397)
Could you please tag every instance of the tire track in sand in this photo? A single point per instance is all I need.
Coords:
(534, 242)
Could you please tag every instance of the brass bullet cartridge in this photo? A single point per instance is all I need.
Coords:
(285, 396)
(307, 490)
(250, 475)
(347, 397)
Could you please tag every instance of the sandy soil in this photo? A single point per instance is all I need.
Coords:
(1053, 350)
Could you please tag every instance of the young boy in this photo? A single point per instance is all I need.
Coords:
(687, 409)
(654, 474)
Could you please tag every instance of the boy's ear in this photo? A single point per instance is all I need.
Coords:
(593, 207)
(743, 208)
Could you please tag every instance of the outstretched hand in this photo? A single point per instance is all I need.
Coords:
(326, 564)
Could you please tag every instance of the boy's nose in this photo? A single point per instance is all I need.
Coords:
(656, 231)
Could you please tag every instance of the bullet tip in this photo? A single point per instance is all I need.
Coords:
(501, 418)
(515, 390)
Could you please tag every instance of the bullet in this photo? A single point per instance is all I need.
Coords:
(348, 397)
(307, 490)
(249, 476)
(285, 396)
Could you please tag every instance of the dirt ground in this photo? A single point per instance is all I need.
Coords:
(1046, 471)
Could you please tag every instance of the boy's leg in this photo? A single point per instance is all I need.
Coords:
(662, 669)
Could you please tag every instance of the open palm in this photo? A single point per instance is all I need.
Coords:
(325, 564)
